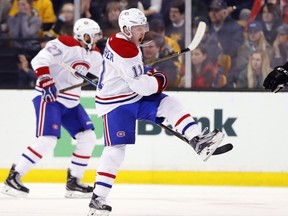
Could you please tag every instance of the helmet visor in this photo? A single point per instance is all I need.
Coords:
(140, 28)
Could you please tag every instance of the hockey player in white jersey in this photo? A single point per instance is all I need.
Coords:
(124, 94)
(55, 109)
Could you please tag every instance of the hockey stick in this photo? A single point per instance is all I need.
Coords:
(194, 43)
(220, 150)
(89, 81)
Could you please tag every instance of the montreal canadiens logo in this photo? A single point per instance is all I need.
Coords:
(120, 134)
(81, 67)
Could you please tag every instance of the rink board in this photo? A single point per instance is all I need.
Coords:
(254, 122)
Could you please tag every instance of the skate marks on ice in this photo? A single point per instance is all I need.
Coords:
(153, 200)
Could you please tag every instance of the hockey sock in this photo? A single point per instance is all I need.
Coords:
(86, 142)
(34, 153)
(172, 110)
(110, 161)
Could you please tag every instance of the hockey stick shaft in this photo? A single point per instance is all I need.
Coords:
(194, 43)
(174, 133)
(72, 70)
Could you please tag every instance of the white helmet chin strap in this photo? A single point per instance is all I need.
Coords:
(89, 45)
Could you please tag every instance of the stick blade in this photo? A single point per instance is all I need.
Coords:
(223, 149)
(198, 36)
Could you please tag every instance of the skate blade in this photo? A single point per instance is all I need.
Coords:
(95, 212)
(77, 195)
(209, 150)
(13, 192)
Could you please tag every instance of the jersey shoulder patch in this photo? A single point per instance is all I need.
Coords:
(122, 47)
(68, 40)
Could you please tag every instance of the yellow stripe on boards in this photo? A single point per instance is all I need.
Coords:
(277, 179)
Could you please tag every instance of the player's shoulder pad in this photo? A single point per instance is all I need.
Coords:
(123, 47)
(69, 41)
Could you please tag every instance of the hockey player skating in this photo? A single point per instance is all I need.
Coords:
(55, 109)
(125, 94)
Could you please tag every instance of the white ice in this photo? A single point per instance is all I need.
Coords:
(153, 200)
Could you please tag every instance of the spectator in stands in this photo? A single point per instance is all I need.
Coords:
(176, 28)
(4, 11)
(152, 9)
(226, 32)
(202, 68)
(44, 10)
(126, 4)
(254, 40)
(280, 46)
(151, 52)
(244, 17)
(85, 8)
(97, 9)
(25, 26)
(270, 17)
(64, 23)
(26, 75)
(109, 25)
(285, 14)
(253, 75)
(211, 42)
(169, 45)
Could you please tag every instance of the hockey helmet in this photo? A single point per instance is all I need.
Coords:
(132, 17)
(86, 26)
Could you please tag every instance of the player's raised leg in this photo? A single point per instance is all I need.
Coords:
(183, 122)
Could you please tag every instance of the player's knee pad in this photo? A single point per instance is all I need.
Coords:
(112, 157)
(44, 144)
(86, 140)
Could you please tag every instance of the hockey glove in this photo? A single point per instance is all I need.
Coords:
(49, 91)
(148, 69)
(161, 79)
(276, 79)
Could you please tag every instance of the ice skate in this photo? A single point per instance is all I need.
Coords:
(205, 145)
(76, 189)
(13, 185)
(98, 207)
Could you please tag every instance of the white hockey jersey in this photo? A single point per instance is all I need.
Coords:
(122, 79)
(68, 50)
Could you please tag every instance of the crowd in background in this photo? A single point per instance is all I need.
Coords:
(243, 41)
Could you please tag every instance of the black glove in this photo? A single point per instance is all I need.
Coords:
(276, 79)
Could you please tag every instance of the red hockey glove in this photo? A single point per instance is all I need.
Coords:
(49, 91)
(161, 79)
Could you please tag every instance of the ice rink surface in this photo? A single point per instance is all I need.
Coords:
(153, 200)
